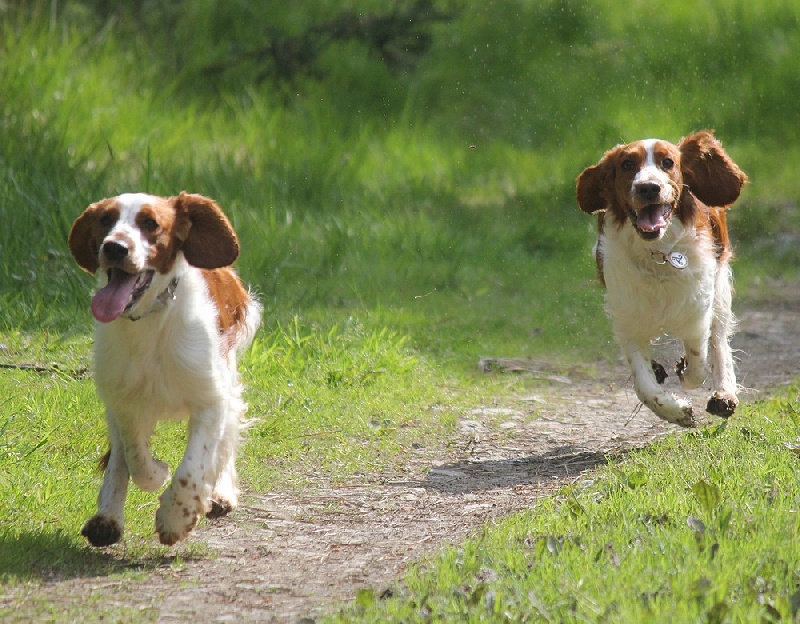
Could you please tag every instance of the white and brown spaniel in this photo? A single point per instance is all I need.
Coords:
(172, 318)
(662, 252)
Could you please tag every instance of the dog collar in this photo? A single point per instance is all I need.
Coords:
(161, 302)
(674, 258)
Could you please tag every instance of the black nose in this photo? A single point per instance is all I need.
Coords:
(114, 251)
(649, 191)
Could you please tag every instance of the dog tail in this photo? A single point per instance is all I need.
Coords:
(248, 328)
(102, 463)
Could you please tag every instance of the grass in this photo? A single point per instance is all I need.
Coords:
(337, 401)
(701, 527)
(396, 226)
(342, 401)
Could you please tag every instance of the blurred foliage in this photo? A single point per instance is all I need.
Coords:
(228, 45)
(512, 70)
(359, 179)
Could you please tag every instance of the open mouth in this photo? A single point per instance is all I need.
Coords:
(652, 220)
(122, 293)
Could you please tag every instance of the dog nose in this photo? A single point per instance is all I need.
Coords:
(114, 251)
(647, 191)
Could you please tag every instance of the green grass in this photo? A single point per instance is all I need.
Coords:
(342, 401)
(328, 402)
(701, 527)
(396, 226)
(463, 183)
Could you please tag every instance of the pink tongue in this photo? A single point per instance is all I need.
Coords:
(651, 218)
(109, 302)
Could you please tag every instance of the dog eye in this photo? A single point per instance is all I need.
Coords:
(627, 165)
(667, 164)
(107, 220)
(149, 224)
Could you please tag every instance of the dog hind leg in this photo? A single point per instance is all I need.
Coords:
(692, 367)
(147, 472)
(225, 496)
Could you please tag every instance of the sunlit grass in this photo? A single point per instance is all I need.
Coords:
(338, 401)
(326, 401)
(701, 527)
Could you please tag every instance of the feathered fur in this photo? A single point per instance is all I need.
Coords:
(663, 254)
(172, 317)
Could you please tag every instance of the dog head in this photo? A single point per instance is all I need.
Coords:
(134, 240)
(649, 182)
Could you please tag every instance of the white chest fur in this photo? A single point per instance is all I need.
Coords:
(647, 295)
(158, 358)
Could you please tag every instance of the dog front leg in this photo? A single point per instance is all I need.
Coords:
(723, 401)
(188, 497)
(107, 525)
(663, 404)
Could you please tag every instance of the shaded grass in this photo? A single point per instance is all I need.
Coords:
(700, 527)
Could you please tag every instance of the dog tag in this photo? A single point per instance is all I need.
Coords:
(677, 259)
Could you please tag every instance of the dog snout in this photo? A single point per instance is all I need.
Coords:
(647, 191)
(115, 251)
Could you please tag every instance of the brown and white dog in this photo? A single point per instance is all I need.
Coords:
(172, 318)
(662, 252)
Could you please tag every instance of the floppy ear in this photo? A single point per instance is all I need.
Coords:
(593, 186)
(708, 171)
(207, 238)
(82, 237)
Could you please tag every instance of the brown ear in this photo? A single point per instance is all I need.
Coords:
(708, 171)
(83, 236)
(593, 187)
(207, 238)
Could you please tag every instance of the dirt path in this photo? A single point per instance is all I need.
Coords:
(292, 557)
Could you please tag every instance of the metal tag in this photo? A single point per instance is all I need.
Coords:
(677, 259)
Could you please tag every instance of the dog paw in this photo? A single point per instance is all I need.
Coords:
(677, 411)
(683, 414)
(659, 372)
(171, 527)
(170, 538)
(686, 419)
(225, 497)
(102, 531)
(722, 404)
(177, 516)
(219, 507)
